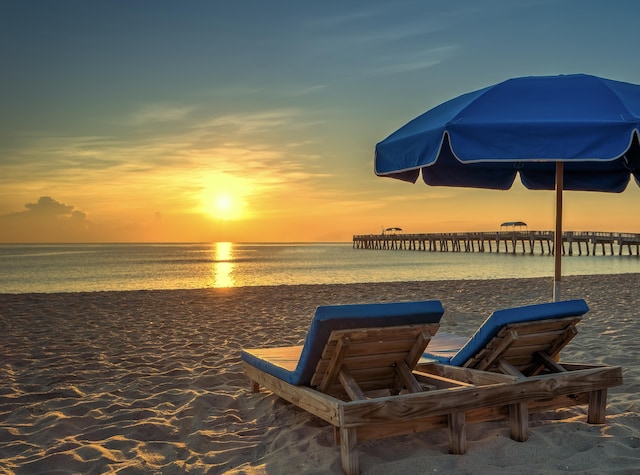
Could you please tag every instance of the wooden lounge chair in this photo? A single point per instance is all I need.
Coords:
(355, 372)
(525, 343)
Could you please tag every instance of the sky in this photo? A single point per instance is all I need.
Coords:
(256, 121)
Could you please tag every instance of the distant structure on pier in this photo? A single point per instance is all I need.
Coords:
(513, 226)
(515, 239)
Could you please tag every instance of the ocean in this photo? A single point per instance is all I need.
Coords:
(47, 268)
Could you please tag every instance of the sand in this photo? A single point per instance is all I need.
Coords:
(151, 382)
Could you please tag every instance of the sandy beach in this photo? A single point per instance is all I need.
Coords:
(151, 382)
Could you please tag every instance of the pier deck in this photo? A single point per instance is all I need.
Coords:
(530, 242)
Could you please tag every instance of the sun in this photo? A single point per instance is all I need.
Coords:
(223, 206)
(224, 197)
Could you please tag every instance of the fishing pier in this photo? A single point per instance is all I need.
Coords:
(587, 242)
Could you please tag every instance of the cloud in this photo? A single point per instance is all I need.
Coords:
(160, 113)
(48, 206)
(304, 90)
(255, 122)
(413, 61)
(47, 220)
(384, 39)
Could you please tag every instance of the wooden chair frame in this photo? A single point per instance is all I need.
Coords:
(367, 386)
(530, 351)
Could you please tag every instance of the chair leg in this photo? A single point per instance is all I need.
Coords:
(349, 450)
(457, 433)
(519, 421)
(597, 406)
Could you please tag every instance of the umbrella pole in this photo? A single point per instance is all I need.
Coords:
(557, 238)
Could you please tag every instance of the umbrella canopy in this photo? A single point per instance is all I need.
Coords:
(570, 132)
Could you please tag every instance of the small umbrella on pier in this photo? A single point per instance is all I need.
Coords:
(568, 132)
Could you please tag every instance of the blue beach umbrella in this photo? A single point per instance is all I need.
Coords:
(569, 132)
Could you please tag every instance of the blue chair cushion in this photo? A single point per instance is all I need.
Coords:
(500, 318)
(328, 318)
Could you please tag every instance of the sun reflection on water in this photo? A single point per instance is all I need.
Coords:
(223, 265)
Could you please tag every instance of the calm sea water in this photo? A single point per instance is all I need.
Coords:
(96, 267)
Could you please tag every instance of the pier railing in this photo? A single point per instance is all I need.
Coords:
(503, 241)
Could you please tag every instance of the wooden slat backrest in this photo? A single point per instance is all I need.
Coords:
(371, 354)
(517, 344)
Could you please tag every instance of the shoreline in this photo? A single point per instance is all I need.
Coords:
(150, 381)
(565, 278)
